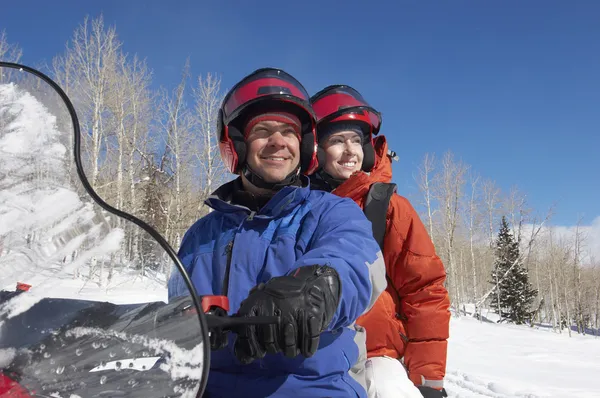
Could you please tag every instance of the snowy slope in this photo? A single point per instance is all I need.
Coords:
(497, 360)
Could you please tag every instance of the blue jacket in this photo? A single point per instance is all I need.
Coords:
(297, 227)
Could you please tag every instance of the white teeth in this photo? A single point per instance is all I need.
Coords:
(273, 158)
(349, 164)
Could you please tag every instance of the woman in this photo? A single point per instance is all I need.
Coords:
(407, 328)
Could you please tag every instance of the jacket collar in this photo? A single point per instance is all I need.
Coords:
(285, 200)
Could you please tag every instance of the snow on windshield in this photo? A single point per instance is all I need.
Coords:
(58, 241)
(52, 236)
(180, 363)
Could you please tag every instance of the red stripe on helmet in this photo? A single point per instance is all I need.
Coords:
(261, 87)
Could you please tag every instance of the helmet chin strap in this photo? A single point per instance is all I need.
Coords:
(259, 182)
(330, 183)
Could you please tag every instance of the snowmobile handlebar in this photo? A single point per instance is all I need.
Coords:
(215, 311)
(231, 323)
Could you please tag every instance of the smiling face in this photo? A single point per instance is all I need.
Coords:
(273, 149)
(344, 154)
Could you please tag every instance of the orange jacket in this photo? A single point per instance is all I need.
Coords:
(415, 326)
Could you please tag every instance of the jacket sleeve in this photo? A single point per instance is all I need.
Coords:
(187, 251)
(418, 276)
(343, 239)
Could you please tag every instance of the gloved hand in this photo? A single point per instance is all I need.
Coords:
(218, 338)
(305, 303)
(429, 392)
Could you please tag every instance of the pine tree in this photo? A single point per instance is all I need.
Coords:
(513, 294)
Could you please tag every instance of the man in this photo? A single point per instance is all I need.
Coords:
(275, 247)
(411, 320)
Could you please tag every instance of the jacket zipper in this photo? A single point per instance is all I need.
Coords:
(229, 252)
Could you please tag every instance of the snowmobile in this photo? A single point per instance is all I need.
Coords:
(91, 315)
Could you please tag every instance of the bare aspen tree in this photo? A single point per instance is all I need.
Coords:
(449, 192)
(554, 261)
(62, 71)
(565, 285)
(578, 242)
(491, 199)
(462, 275)
(425, 185)
(128, 101)
(207, 101)
(585, 306)
(514, 206)
(472, 217)
(8, 53)
(111, 93)
(558, 260)
(596, 294)
(138, 79)
(90, 61)
(118, 104)
(177, 124)
(528, 250)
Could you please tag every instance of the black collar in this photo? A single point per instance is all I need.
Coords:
(234, 193)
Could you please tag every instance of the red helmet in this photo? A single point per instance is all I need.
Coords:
(342, 103)
(265, 90)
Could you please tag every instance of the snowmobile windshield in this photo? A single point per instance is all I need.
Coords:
(84, 301)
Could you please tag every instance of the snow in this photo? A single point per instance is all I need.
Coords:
(486, 359)
(180, 363)
(31, 119)
(6, 356)
(52, 236)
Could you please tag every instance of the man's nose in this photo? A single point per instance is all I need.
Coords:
(277, 139)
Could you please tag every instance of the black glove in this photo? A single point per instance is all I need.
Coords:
(305, 303)
(218, 337)
(429, 392)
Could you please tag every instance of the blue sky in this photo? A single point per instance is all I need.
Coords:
(511, 87)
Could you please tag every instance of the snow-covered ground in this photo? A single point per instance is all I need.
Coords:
(486, 359)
